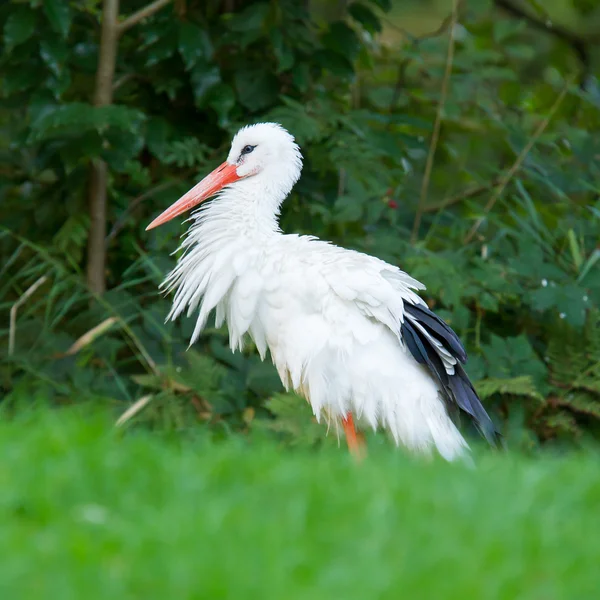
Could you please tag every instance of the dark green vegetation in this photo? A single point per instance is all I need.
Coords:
(471, 161)
(106, 516)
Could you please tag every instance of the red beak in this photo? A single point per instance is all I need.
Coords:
(209, 186)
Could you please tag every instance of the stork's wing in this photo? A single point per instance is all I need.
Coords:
(385, 293)
(376, 288)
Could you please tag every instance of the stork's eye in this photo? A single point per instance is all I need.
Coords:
(247, 149)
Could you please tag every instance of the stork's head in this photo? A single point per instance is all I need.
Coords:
(263, 158)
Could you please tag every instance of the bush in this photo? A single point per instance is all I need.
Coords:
(502, 229)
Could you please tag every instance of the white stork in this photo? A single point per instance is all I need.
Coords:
(345, 330)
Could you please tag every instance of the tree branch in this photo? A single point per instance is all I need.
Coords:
(140, 15)
(518, 162)
(578, 44)
(97, 196)
(103, 96)
(180, 8)
(400, 82)
(414, 41)
(436, 127)
(469, 192)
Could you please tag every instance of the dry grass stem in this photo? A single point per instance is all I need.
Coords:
(12, 332)
(133, 410)
(87, 338)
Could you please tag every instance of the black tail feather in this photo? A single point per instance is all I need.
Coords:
(466, 397)
(457, 386)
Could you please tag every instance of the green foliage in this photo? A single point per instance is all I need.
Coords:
(517, 386)
(294, 423)
(361, 95)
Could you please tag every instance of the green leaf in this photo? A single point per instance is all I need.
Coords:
(169, 86)
(59, 15)
(120, 146)
(71, 238)
(283, 53)
(157, 134)
(348, 209)
(342, 39)
(301, 76)
(221, 99)
(59, 84)
(384, 5)
(252, 18)
(440, 273)
(538, 7)
(193, 45)
(506, 28)
(575, 250)
(584, 7)
(161, 50)
(155, 382)
(591, 261)
(256, 89)
(262, 378)
(365, 16)
(204, 372)
(294, 421)
(78, 117)
(19, 26)
(562, 422)
(187, 152)
(515, 386)
(293, 115)
(17, 80)
(513, 357)
(488, 301)
(582, 402)
(54, 53)
(335, 63)
(204, 77)
(568, 300)
(481, 8)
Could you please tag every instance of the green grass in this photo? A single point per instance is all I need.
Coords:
(88, 512)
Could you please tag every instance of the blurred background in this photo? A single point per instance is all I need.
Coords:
(459, 141)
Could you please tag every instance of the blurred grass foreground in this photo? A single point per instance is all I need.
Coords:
(89, 513)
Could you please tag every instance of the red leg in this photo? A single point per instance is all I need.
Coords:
(355, 441)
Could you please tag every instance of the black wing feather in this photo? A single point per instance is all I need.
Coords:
(423, 352)
(438, 329)
(456, 386)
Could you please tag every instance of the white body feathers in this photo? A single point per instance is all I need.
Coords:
(329, 317)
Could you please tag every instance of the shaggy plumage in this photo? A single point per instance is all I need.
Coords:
(345, 330)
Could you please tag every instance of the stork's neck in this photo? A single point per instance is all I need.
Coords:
(250, 207)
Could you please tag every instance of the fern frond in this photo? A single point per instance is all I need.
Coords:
(583, 403)
(187, 152)
(516, 386)
(560, 423)
(79, 117)
(71, 238)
